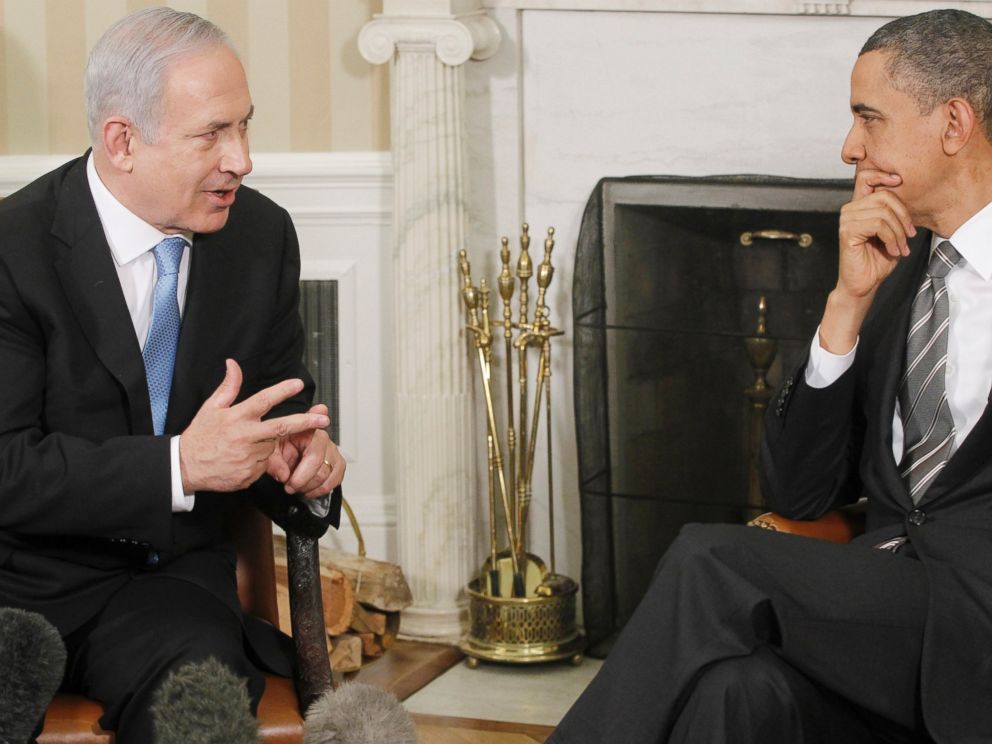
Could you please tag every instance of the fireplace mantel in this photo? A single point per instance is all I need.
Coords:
(877, 8)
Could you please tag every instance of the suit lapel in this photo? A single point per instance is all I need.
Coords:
(208, 301)
(92, 287)
(892, 312)
(970, 456)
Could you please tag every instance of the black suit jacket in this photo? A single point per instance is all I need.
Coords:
(827, 447)
(85, 486)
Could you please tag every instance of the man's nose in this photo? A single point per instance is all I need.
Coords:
(853, 151)
(235, 158)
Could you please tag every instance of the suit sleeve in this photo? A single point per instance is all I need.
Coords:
(284, 359)
(812, 446)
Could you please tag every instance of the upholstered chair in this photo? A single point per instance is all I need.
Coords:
(72, 719)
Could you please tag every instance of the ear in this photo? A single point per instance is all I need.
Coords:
(959, 126)
(118, 142)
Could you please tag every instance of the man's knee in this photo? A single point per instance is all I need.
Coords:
(741, 681)
(701, 543)
(760, 697)
(743, 699)
(200, 643)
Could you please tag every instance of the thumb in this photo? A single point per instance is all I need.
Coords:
(277, 467)
(227, 392)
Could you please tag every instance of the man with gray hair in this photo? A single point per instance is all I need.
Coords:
(749, 635)
(150, 362)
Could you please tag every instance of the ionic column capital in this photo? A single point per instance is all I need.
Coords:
(454, 39)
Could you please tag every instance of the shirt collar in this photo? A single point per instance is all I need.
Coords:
(973, 240)
(129, 236)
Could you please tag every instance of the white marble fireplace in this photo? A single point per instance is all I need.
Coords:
(540, 99)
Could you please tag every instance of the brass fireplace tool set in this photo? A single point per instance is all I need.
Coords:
(520, 610)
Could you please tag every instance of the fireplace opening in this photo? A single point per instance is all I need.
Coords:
(665, 296)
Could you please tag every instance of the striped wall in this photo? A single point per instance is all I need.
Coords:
(311, 88)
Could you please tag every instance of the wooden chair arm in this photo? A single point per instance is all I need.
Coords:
(838, 526)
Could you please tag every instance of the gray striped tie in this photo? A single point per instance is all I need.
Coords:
(926, 417)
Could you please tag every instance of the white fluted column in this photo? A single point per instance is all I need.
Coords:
(426, 43)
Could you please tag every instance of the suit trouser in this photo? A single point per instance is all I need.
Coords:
(150, 628)
(848, 618)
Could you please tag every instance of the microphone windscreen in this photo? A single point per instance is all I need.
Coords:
(204, 702)
(32, 662)
(357, 713)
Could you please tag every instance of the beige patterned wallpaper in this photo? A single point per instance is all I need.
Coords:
(311, 88)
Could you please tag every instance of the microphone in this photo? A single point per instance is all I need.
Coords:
(32, 662)
(203, 701)
(357, 713)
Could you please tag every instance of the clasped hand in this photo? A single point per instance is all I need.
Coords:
(874, 230)
(227, 447)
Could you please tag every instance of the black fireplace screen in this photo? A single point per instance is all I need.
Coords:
(664, 296)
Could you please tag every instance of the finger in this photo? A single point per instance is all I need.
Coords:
(284, 426)
(868, 179)
(290, 454)
(309, 484)
(901, 211)
(331, 482)
(887, 200)
(892, 240)
(894, 233)
(887, 232)
(265, 400)
(312, 469)
(316, 465)
(861, 222)
(320, 408)
(227, 392)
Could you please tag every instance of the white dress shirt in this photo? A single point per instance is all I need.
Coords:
(969, 343)
(131, 242)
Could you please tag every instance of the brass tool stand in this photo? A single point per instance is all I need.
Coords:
(521, 612)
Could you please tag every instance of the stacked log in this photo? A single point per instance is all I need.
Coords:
(362, 603)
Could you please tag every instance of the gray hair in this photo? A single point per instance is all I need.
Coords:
(940, 55)
(125, 75)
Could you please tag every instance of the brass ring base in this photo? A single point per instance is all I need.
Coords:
(523, 630)
(530, 654)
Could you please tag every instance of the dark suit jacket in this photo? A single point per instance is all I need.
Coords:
(85, 486)
(828, 447)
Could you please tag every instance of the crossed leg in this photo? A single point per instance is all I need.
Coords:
(846, 617)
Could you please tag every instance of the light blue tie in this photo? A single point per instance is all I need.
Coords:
(160, 346)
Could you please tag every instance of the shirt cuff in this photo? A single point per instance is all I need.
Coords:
(825, 368)
(181, 501)
(319, 507)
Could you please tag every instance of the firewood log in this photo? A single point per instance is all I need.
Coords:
(346, 653)
(376, 583)
(371, 646)
(368, 621)
(392, 629)
(338, 599)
